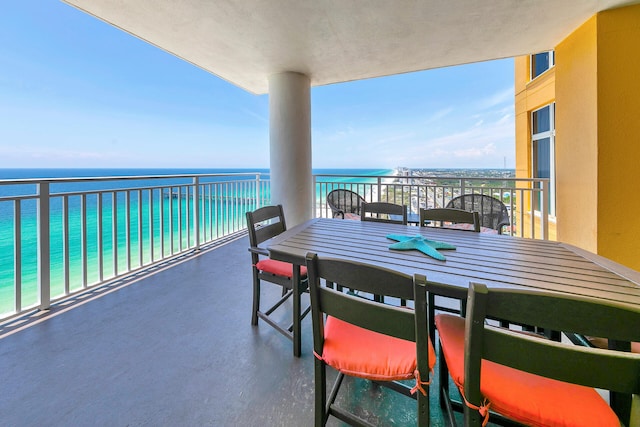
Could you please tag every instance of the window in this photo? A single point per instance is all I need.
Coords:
(541, 62)
(543, 151)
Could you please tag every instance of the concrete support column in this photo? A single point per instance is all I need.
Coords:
(290, 145)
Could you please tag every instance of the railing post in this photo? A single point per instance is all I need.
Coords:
(258, 204)
(380, 189)
(44, 257)
(17, 255)
(544, 214)
(196, 211)
(315, 197)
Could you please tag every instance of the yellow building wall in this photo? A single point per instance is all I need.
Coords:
(619, 135)
(577, 137)
(598, 135)
(596, 86)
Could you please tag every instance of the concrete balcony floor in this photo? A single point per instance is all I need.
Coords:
(172, 348)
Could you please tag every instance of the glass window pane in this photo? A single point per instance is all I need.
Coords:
(541, 120)
(539, 64)
(542, 168)
(542, 158)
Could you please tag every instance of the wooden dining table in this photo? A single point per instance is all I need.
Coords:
(492, 259)
(495, 260)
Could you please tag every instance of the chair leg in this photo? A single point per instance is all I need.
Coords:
(423, 409)
(320, 393)
(256, 299)
(297, 322)
(443, 376)
(472, 417)
(431, 314)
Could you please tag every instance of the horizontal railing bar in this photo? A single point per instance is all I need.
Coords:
(115, 190)
(20, 197)
(431, 177)
(123, 178)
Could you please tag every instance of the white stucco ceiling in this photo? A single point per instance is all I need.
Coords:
(245, 41)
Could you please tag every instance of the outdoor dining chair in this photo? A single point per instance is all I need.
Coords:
(530, 379)
(367, 339)
(447, 218)
(492, 212)
(345, 204)
(383, 212)
(263, 224)
(450, 218)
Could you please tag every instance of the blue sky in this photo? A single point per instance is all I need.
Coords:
(76, 92)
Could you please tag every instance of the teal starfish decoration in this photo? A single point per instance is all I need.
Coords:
(419, 243)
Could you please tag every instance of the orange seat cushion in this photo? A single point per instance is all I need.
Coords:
(362, 353)
(522, 396)
(279, 268)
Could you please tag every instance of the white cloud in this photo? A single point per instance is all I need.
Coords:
(506, 119)
(439, 115)
(479, 143)
(476, 152)
(498, 98)
(261, 118)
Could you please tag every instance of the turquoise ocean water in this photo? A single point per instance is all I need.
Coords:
(28, 229)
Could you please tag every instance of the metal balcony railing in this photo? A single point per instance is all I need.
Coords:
(527, 200)
(61, 236)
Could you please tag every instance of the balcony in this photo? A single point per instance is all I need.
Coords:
(154, 327)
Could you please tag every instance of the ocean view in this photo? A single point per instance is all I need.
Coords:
(142, 236)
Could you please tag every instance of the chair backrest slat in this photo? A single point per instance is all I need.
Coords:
(450, 215)
(384, 212)
(362, 277)
(570, 313)
(265, 223)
